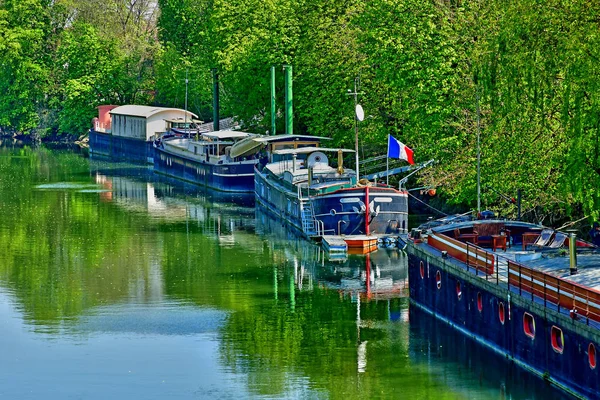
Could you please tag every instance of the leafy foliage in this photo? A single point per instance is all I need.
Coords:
(521, 76)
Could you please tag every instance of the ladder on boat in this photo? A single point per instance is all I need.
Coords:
(311, 226)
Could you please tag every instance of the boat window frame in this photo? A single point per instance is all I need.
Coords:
(555, 334)
(529, 325)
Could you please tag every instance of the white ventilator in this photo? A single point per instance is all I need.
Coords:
(317, 159)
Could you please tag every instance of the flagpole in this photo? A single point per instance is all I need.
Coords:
(387, 164)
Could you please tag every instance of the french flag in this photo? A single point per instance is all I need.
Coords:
(397, 149)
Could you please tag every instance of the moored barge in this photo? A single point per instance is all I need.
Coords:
(206, 160)
(518, 288)
(295, 182)
(126, 133)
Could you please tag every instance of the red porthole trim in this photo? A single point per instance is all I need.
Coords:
(557, 339)
(501, 314)
(458, 290)
(438, 279)
(529, 325)
(422, 270)
(479, 302)
(592, 355)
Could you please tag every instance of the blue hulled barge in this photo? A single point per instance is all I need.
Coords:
(528, 292)
(126, 133)
(295, 182)
(207, 161)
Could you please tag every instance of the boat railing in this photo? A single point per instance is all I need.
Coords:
(103, 127)
(320, 227)
(581, 303)
(564, 296)
(303, 192)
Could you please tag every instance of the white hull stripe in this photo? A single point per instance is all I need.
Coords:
(361, 213)
(371, 194)
(231, 175)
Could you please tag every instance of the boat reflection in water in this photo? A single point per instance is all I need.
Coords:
(461, 363)
(375, 285)
(176, 204)
(378, 275)
(137, 188)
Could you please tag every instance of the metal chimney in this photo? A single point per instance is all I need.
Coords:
(572, 253)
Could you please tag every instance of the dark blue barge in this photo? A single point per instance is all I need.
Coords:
(207, 161)
(296, 182)
(126, 133)
(119, 148)
(518, 288)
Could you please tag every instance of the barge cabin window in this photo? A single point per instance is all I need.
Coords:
(458, 290)
(438, 279)
(557, 339)
(422, 270)
(529, 325)
(479, 302)
(501, 312)
(592, 355)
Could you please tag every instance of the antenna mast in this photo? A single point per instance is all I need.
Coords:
(185, 125)
(356, 119)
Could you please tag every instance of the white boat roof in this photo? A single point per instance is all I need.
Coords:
(266, 139)
(145, 111)
(226, 135)
(177, 120)
(306, 150)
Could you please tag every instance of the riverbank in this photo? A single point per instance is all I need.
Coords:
(36, 139)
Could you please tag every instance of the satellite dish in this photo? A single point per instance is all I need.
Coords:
(360, 113)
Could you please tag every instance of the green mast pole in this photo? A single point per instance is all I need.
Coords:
(289, 110)
(216, 117)
(273, 127)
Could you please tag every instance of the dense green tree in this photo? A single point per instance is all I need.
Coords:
(25, 30)
(520, 75)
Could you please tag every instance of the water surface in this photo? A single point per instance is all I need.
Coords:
(117, 284)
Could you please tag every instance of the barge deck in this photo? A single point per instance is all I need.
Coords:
(530, 305)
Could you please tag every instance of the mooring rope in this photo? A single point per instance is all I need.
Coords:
(422, 202)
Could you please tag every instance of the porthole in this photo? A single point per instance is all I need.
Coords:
(592, 355)
(501, 316)
(422, 270)
(557, 339)
(438, 279)
(458, 290)
(529, 325)
(479, 302)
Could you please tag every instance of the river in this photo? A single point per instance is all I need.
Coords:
(115, 283)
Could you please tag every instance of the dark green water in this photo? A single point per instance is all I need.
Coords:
(114, 284)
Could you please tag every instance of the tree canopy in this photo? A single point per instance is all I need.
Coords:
(435, 74)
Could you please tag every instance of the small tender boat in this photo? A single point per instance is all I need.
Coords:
(206, 160)
(295, 182)
(526, 291)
